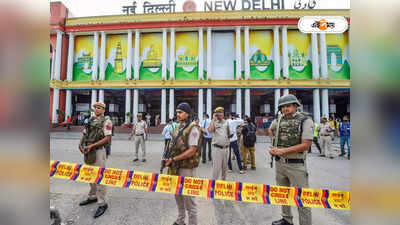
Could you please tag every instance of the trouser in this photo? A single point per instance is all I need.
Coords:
(97, 190)
(139, 140)
(345, 140)
(234, 145)
(206, 141)
(294, 174)
(245, 151)
(326, 142)
(166, 142)
(220, 163)
(315, 141)
(186, 203)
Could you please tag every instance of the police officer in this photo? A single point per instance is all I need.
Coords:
(325, 132)
(294, 137)
(185, 158)
(96, 135)
(220, 144)
(140, 129)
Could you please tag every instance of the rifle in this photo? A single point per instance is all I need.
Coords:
(275, 141)
(167, 152)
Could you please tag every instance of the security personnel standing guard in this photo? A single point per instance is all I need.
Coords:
(293, 133)
(140, 129)
(325, 132)
(184, 159)
(220, 144)
(96, 135)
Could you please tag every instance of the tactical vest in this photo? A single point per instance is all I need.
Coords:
(290, 130)
(180, 147)
(94, 133)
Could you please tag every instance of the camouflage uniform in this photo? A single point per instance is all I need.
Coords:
(191, 136)
(96, 130)
(290, 173)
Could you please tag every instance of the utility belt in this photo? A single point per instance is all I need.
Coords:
(289, 161)
(139, 134)
(325, 135)
(220, 146)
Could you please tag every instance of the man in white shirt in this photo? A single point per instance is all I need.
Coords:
(234, 122)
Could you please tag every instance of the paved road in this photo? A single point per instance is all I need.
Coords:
(148, 208)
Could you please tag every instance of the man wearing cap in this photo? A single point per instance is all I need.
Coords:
(292, 134)
(220, 143)
(140, 129)
(184, 159)
(96, 136)
(325, 133)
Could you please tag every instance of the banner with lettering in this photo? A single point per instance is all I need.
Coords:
(261, 52)
(83, 58)
(299, 48)
(186, 55)
(337, 50)
(116, 56)
(150, 56)
(201, 187)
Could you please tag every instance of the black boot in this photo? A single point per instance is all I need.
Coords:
(281, 222)
(101, 210)
(88, 201)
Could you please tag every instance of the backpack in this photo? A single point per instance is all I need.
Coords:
(250, 138)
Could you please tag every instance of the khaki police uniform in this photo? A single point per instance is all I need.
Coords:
(325, 132)
(186, 167)
(140, 130)
(289, 172)
(97, 190)
(220, 147)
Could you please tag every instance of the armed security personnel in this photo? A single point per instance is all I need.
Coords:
(293, 133)
(220, 142)
(184, 159)
(96, 136)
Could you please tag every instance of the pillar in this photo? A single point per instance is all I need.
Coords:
(200, 103)
(163, 105)
(277, 64)
(316, 106)
(285, 53)
(285, 91)
(129, 58)
(247, 102)
(68, 102)
(324, 58)
(172, 57)
(135, 103)
(56, 101)
(325, 102)
(314, 56)
(101, 95)
(209, 53)
(102, 56)
(238, 55)
(93, 98)
(57, 70)
(239, 102)
(95, 55)
(246, 54)
(209, 103)
(277, 96)
(137, 60)
(53, 64)
(127, 105)
(70, 62)
(164, 55)
(201, 59)
(171, 103)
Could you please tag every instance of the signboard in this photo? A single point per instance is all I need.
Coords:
(83, 58)
(150, 56)
(261, 50)
(337, 50)
(186, 55)
(299, 48)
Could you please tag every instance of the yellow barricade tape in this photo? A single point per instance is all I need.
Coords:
(199, 187)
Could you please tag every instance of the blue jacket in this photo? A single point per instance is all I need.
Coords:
(342, 129)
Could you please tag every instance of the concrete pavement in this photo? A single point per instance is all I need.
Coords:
(148, 208)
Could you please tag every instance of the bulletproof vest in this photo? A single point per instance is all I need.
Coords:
(181, 146)
(290, 130)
